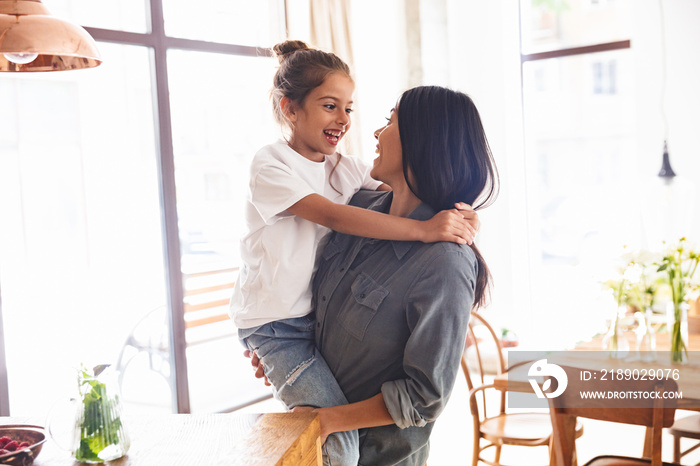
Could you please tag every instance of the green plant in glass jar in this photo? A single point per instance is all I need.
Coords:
(99, 433)
(635, 291)
(680, 264)
(614, 341)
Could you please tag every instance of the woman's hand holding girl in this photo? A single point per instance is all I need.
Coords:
(308, 409)
(257, 366)
(371, 412)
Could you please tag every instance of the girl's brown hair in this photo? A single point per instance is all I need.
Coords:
(301, 70)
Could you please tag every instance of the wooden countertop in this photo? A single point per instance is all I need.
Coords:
(208, 440)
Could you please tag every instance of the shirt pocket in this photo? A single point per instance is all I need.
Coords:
(367, 296)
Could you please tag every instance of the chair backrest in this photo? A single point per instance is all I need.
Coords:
(654, 413)
(207, 297)
(482, 356)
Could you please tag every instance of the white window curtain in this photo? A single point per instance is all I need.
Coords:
(330, 31)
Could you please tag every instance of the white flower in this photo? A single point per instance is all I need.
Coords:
(633, 273)
(642, 257)
(648, 257)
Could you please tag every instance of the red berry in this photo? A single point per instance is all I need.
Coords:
(3, 451)
(23, 445)
(12, 446)
(4, 440)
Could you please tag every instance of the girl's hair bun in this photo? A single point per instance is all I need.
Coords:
(284, 49)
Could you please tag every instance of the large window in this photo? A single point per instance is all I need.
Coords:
(115, 181)
(219, 121)
(81, 237)
(579, 114)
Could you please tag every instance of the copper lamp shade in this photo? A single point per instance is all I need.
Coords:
(31, 40)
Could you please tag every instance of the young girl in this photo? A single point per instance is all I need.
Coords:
(299, 189)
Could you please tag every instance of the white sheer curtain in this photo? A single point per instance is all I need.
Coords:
(330, 31)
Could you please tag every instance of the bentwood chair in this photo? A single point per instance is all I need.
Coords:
(686, 427)
(206, 300)
(483, 358)
(654, 414)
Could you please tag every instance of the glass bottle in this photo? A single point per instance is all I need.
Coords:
(678, 331)
(99, 434)
(615, 341)
(646, 336)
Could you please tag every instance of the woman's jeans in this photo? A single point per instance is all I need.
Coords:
(301, 377)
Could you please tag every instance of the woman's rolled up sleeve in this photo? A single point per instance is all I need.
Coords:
(437, 306)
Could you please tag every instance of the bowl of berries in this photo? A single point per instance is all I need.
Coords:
(20, 444)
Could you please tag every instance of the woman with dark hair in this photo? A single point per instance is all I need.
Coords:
(391, 317)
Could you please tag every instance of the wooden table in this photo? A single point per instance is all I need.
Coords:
(208, 440)
(589, 355)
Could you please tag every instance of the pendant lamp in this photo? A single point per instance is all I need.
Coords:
(669, 197)
(666, 171)
(32, 40)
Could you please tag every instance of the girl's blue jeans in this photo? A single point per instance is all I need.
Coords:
(301, 377)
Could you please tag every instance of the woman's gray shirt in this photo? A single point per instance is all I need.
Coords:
(392, 318)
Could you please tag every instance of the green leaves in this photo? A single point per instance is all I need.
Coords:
(680, 264)
(649, 279)
(100, 423)
(85, 451)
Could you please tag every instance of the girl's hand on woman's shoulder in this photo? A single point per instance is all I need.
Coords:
(469, 215)
(449, 225)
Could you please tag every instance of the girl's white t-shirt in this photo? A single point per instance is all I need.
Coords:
(278, 253)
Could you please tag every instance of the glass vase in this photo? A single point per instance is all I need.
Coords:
(99, 434)
(646, 336)
(678, 332)
(615, 341)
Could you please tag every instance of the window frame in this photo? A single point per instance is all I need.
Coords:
(583, 50)
(159, 43)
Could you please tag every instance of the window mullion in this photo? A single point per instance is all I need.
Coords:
(604, 47)
(4, 386)
(171, 241)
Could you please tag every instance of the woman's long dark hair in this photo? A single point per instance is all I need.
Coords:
(446, 157)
